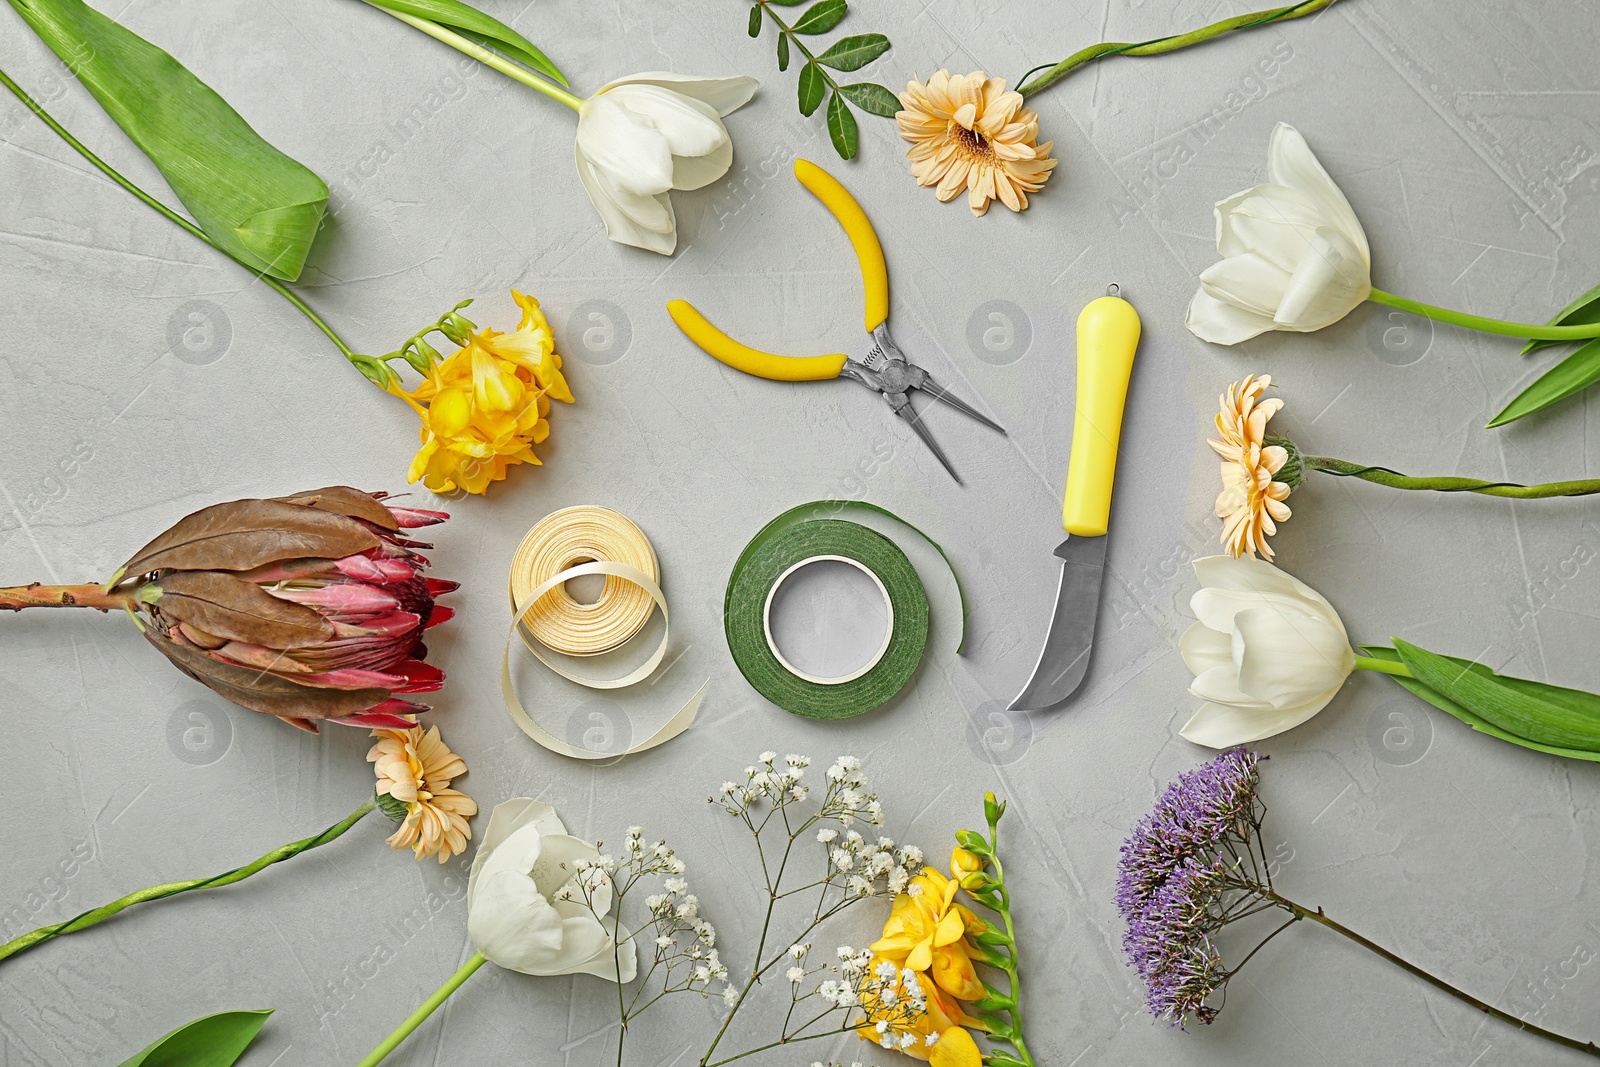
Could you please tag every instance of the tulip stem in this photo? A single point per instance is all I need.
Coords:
(429, 1006)
(35, 595)
(1451, 484)
(1383, 666)
(472, 48)
(157, 892)
(1028, 85)
(172, 216)
(1486, 325)
(1300, 912)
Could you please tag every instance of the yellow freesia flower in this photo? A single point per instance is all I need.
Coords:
(484, 407)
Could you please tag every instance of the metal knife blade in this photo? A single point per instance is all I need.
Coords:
(1064, 660)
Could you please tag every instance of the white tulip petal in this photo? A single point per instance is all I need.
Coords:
(1204, 648)
(1221, 685)
(557, 862)
(1274, 222)
(624, 146)
(691, 127)
(1222, 726)
(1216, 608)
(622, 223)
(1222, 323)
(1257, 575)
(507, 818)
(1327, 285)
(516, 853)
(511, 924)
(725, 95)
(696, 172)
(1288, 659)
(1291, 162)
(606, 965)
(1247, 281)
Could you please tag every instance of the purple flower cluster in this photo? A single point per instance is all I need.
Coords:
(1175, 870)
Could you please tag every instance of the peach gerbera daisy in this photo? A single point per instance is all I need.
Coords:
(968, 131)
(1251, 503)
(416, 769)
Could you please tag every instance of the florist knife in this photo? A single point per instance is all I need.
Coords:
(1108, 334)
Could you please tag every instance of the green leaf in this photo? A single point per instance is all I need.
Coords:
(1581, 312)
(1533, 711)
(872, 98)
(786, 3)
(1572, 375)
(842, 127)
(755, 21)
(813, 87)
(853, 53)
(821, 16)
(1444, 704)
(261, 207)
(783, 51)
(483, 28)
(213, 1041)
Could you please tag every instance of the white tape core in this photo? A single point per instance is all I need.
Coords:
(888, 630)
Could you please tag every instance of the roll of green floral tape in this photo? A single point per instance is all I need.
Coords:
(775, 553)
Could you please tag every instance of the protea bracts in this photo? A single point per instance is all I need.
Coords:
(309, 607)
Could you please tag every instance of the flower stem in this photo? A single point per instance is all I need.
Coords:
(157, 892)
(17, 597)
(1300, 912)
(1030, 85)
(429, 1006)
(1486, 325)
(156, 205)
(1449, 484)
(484, 56)
(1383, 666)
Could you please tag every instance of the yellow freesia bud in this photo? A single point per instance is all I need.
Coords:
(963, 863)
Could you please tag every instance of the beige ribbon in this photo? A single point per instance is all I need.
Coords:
(568, 544)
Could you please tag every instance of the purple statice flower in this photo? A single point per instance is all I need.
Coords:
(1176, 868)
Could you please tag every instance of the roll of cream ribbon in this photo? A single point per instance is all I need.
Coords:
(572, 543)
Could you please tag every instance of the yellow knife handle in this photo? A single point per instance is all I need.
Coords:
(863, 238)
(752, 360)
(1108, 334)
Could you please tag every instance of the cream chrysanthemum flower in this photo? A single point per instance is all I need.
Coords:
(416, 768)
(968, 131)
(1251, 503)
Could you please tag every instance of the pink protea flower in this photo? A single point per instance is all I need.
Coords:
(308, 607)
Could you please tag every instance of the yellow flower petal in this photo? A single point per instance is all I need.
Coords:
(955, 1048)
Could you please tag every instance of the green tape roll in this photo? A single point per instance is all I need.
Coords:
(776, 551)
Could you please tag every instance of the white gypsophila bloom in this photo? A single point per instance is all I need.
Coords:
(797, 761)
(897, 880)
(676, 866)
(729, 787)
(796, 975)
(914, 890)
(798, 951)
(886, 971)
(855, 839)
(768, 756)
(858, 885)
(842, 859)
(730, 995)
(663, 941)
(674, 886)
(827, 835)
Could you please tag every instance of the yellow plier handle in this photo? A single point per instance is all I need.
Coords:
(863, 238)
(752, 360)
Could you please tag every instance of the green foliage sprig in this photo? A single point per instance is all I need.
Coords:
(1000, 1009)
(846, 54)
(1574, 374)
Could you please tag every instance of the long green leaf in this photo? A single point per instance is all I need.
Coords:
(260, 206)
(872, 98)
(853, 53)
(1545, 714)
(483, 28)
(813, 87)
(1572, 375)
(821, 16)
(1585, 309)
(213, 1041)
(842, 127)
(755, 20)
(1479, 724)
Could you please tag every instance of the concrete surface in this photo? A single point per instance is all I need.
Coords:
(1464, 135)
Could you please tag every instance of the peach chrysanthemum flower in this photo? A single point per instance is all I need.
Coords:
(415, 769)
(1251, 503)
(968, 131)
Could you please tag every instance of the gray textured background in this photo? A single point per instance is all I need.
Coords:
(1464, 136)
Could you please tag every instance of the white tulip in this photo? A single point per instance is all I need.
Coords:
(1296, 257)
(1268, 652)
(641, 137)
(517, 913)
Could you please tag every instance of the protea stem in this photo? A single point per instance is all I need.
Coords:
(1486, 325)
(1156, 47)
(428, 1007)
(157, 892)
(18, 597)
(1301, 912)
(1450, 484)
